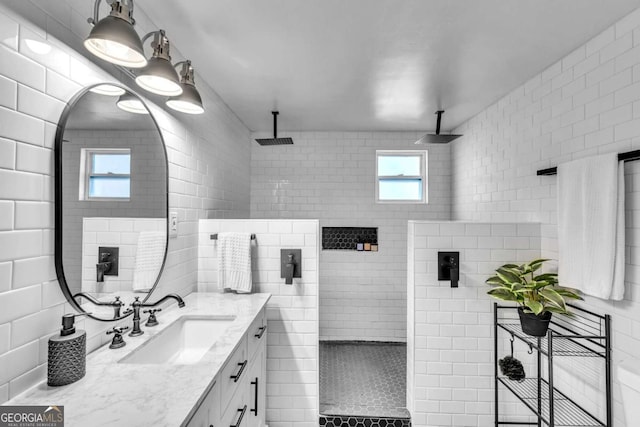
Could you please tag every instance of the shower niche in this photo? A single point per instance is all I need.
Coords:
(350, 238)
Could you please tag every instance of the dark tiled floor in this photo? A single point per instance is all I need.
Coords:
(331, 421)
(363, 380)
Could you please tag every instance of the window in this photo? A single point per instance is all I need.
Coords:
(401, 176)
(105, 174)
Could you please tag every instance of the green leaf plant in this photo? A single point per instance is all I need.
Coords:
(534, 293)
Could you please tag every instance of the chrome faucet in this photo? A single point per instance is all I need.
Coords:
(137, 304)
(116, 303)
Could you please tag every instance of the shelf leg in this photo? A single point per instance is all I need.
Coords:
(495, 362)
(539, 357)
(550, 359)
(607, 334)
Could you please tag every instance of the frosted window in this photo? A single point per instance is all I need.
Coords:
(111, 164)
(401, 176)
(107, 173)
(109, 187)
(400, 190)
(399, 165)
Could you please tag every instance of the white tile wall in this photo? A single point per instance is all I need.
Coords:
(331, 176)
(208, 168)
(292, 311)
(450, 341)
(586, 103)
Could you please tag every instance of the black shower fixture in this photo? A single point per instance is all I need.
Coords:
(275, 140)
(437, 138)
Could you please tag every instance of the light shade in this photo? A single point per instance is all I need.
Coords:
(108, 90)
(114, 39)
(130, 103)
(189, 102)
(159, 77)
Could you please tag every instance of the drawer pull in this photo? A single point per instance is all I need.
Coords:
(255, 383)
(236, 377)
(242, 411)
(262, 330)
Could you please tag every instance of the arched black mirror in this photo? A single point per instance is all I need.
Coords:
(111, 202)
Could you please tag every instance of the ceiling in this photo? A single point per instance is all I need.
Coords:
(374, 64)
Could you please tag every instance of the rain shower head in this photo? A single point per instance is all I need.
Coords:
(437, 138)
(275, 140)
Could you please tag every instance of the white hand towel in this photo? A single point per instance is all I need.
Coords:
(591, 229)
(149, 257)
(234, 262)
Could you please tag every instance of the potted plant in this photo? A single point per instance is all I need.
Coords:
(537, 296)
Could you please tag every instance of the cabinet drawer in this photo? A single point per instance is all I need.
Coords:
(233, 373)
(257, 333)
(237, 413)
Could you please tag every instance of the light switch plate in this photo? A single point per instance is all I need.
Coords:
(173, 224)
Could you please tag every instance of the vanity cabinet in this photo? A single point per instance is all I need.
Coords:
(251, 406)
(238, 396)
(209, 410)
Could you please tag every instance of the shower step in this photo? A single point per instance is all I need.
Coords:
(353, 421)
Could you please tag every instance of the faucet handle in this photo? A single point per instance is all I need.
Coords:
(117, 341)
(117, 301)
(116, 331)
(136, 301)
(152, 321)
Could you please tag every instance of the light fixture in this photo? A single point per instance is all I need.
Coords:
(130, 103)
(189, 101)
(159, 76)
(108, 90)
(113, 37)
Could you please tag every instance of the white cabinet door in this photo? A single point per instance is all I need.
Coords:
(257, 389)
(208, 413)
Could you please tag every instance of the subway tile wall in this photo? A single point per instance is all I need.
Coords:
(292, 311)
(586, 103)
(331, 176)
(208, 177)
(450, 344)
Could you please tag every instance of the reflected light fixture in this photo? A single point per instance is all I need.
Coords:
(130, 103)
(159, 76)
(190, 101)
(113, 37)
(108, 90)
(38, 47)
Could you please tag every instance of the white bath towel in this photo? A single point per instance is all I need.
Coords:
(234, 262)
(591, 226)
(149, 257)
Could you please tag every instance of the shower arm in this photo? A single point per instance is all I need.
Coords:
(275, 124)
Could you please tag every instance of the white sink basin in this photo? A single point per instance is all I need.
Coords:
(184, 342)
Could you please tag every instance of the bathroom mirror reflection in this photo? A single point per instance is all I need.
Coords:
(111, 201)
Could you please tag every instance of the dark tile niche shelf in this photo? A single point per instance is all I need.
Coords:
(346, 238)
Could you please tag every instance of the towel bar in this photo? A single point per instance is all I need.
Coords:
(215, 236)
(628, 156)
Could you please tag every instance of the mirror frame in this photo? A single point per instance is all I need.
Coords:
(58, 231)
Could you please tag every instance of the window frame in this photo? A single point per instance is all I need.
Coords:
(423, 154)
(86, 166)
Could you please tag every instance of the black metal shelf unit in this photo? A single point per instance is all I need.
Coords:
(584, 334)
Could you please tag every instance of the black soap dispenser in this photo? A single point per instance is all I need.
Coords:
(67, 353)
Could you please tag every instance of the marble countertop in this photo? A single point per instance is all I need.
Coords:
(121, 394)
